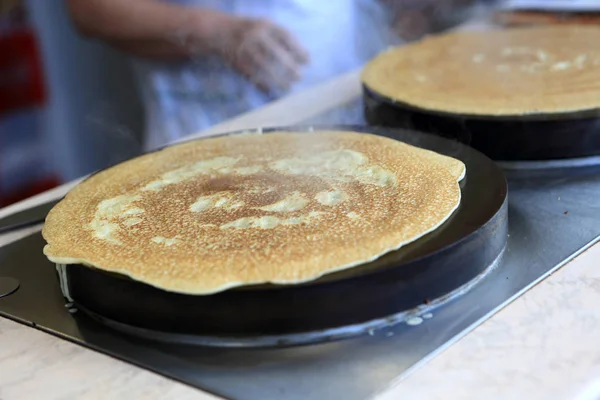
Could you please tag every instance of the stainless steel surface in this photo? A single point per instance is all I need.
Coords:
(550, 169)
(550, 221)
(551, 165)
(29, 217)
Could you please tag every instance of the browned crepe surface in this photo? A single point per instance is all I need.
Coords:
(519, 71)
(285, 208)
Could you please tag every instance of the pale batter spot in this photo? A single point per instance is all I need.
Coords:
(375, 176)
(524, 54)
(154, 186)
(420, 78)
(217, 200)
(478, 58)
(352, 215)
(270, 222)
(522, 58)
(202, 204)
(115, 207)
(206, 167)
(542, 55)
(332, 164)
(509, 51)
(221, 202)
(294, 202)
(340, 165)
(561, 66)
(164, 240)
(103, 225)
(525, 59)
(134, 211)
(132, 221)
(251, 170)
(104, 230)
(293, 221)
(331, 198)
(241, 223)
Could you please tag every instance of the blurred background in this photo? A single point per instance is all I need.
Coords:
(70, 105)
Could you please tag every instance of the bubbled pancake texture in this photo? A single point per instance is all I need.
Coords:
(513, 72)
(285, 208)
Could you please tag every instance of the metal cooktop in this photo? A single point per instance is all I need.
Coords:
(551, 219)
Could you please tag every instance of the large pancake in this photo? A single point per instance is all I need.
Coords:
(284, 208)
(513, 72)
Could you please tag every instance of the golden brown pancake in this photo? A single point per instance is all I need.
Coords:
(512, 72)
(284, 208)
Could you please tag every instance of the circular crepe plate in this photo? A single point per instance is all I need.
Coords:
(532, 137)
(436, 266)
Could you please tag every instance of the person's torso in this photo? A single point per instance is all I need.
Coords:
(339, 35)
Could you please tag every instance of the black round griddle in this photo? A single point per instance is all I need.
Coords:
(528, 138)
(432, 267)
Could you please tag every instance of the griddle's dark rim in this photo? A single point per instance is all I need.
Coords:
(500, 139)
(327, 278)
(555, 116)
(295, 339)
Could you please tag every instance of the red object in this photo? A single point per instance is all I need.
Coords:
(22, 89)
(29, 190)
(21, 71)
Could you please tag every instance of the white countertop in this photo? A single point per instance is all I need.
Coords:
(541, 346)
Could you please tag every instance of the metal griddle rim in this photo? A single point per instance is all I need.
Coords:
(563, 116)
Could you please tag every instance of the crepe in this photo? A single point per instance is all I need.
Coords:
(283, 208)
(513, 72)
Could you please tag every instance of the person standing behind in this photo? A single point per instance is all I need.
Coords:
(200, 62)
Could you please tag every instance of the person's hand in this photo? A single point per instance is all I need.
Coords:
(265, 53)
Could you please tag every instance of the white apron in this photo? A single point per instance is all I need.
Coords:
(185, 98)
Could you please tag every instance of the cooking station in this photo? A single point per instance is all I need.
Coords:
(551, 217)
